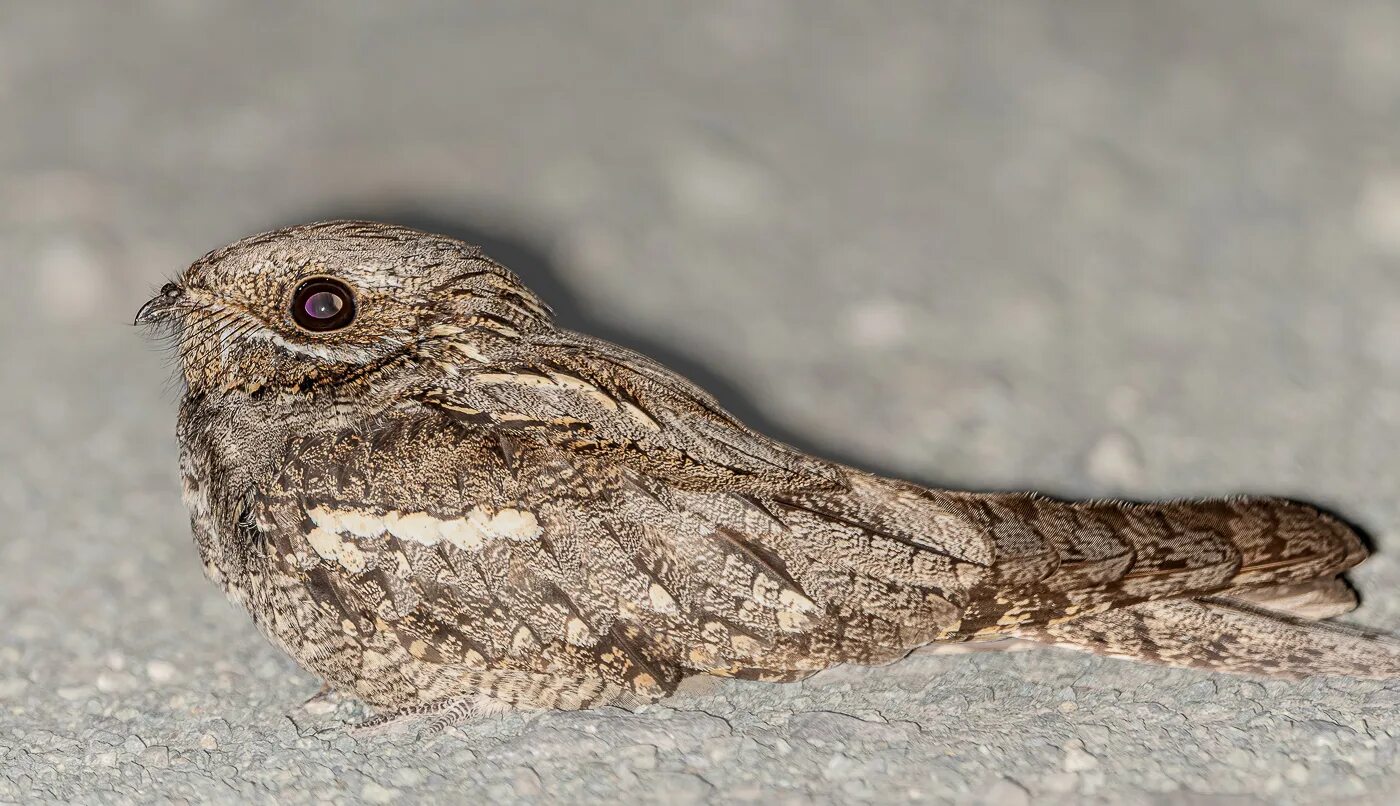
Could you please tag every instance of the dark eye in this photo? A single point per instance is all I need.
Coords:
(323, 304)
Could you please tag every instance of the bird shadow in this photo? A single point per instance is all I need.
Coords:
(529, 258)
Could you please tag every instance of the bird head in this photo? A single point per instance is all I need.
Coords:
(316, 308)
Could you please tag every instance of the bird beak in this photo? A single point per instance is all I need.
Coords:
(158, 306)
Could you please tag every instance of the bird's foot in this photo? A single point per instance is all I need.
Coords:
(322, 701)
(318, 704)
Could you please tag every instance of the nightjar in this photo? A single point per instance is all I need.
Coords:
(441, 503)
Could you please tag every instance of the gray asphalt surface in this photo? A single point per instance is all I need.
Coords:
(1089, 248)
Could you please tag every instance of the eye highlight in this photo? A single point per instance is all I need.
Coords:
(322, 304)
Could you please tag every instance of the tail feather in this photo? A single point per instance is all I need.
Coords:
(1224, 635)
(1315, 600)
(1056, 560)
(1282, 541)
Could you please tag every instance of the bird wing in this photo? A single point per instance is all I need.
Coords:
(585, 394)
(484, 547)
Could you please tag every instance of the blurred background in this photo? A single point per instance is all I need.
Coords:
(1092, 248)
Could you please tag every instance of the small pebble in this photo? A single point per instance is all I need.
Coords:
(160, 671)
(109, 682)
(155, 756)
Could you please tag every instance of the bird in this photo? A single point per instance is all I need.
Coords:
(444, 505)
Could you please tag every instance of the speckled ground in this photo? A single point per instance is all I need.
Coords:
(1091, 248)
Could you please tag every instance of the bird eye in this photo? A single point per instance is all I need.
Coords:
(323, 304)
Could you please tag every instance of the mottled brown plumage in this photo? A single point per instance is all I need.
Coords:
(439, 502)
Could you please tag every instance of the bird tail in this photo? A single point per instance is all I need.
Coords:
(1228, 634)
(1314, 600)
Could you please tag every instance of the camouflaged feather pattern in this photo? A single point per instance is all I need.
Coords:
(451, 501)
